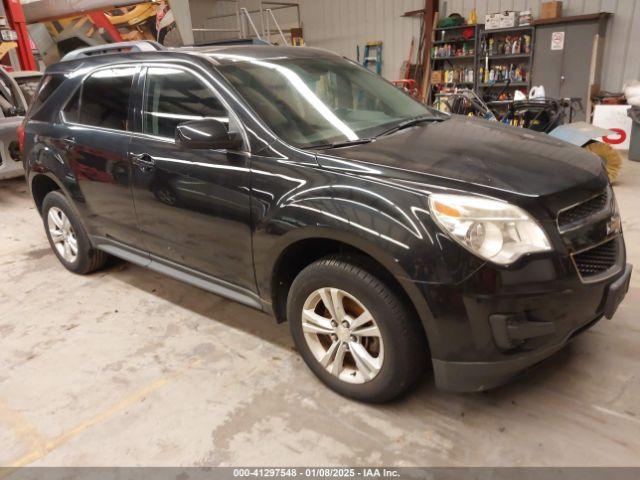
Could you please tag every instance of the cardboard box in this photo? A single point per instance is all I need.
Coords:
(8, 35)
(492, 21)
(550, 10)
(437, 76)
(525, 18)
(508, 19)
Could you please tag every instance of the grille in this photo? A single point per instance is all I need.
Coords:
(598, 259)
(583, 210)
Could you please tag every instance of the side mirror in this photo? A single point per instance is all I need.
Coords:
(206, 133)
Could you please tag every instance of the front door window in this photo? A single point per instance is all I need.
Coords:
(175, 96)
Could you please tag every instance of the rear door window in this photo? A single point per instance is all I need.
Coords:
(104, 100)
(175, 96)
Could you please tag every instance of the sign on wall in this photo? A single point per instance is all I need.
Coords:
(557, 41)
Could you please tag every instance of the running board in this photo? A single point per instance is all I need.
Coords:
(179, 272)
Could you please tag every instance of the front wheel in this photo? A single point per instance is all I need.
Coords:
(354, 332)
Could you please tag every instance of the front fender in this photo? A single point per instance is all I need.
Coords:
(389, 223)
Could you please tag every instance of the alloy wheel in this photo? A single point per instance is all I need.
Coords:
(342, 335)
(62, 234)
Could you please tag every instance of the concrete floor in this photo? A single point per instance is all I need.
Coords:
(127, 367)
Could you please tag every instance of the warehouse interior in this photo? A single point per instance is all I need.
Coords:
(129, 366)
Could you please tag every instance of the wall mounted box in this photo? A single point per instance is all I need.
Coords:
(525, 18)
(508, 19)
(8, 35)
(492, 21)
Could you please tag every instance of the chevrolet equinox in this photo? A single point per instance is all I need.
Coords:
(390, 236)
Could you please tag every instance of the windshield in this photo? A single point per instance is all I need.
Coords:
(317, 101)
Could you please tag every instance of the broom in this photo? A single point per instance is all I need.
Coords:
(612, 159)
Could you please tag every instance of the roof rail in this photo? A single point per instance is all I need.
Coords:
(119, 47)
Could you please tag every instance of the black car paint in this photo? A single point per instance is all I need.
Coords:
(224, 220)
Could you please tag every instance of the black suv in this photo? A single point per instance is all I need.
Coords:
(390, 236)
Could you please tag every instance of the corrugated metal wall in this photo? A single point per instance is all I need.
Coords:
(339, 25)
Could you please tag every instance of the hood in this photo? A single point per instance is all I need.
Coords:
(473, 151)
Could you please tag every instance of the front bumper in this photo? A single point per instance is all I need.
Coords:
(496, 347)
(479, 376)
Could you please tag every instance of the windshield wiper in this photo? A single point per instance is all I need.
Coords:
(346, 143)
(410, 123)
(399, 126)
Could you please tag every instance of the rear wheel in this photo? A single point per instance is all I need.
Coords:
(354, 332)
(67, 236)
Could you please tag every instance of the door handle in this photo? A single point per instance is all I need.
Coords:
(143, 160)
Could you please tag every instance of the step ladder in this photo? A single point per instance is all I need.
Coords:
(377, 59)
(258, 24)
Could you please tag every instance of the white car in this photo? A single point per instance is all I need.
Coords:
(16, 93)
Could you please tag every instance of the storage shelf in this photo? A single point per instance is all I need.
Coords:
(504, 84)
(452, 83)
(505, 30)
(478, 59)
(461, 57)
(506, 57)
(454, 40)
(457, 27)
(500, 60)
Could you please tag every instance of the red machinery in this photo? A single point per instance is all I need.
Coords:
(50, 10)
(18, 23)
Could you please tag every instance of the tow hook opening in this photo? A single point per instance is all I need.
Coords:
(510, 330)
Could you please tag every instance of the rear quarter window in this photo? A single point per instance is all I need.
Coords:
(48, 85)
(29, 88)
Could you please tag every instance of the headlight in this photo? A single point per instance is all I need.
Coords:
(492, 229)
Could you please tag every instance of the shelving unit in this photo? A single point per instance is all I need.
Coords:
(453, 36)
(512, 62)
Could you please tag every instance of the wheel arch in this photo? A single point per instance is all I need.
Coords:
(42, 184)
(308, 247)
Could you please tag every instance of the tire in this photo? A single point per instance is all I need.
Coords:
(400, 353)
(55, 209)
